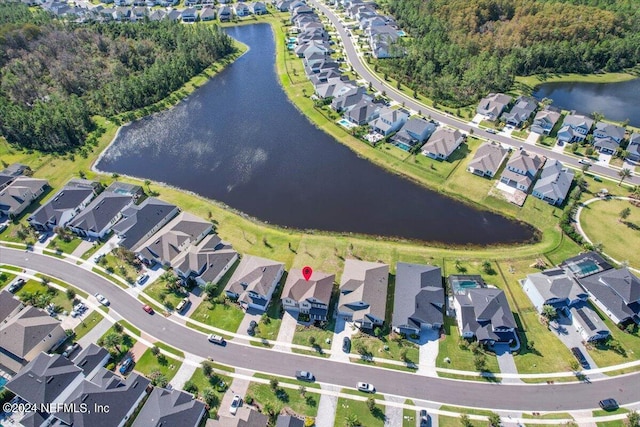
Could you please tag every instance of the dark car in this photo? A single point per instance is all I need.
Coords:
(608, 404)
(578, 354)
(251, 330)
(126, 365)
(346, 345)
(424, 418)
(17, 284)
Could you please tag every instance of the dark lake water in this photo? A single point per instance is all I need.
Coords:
(239, 140)
(617, 101)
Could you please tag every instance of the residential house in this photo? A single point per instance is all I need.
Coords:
(521, 170)
(173, 239)
(575, 128)
(91, 359)
(554, 183)
(383, 42)
(135, 191)
(459, 283)
(372, 21)
(207, 261)
(389, 121)
(245, 417)
(190, 14)
(254, 282)
(585, 264)
(419, 298)
(488, 159)
(283, 5)
(334, 87)
(258, 8)
(224, 14)
(363, 112)
(347, 100)
(588, 323)
(493, 105)
(25, 333)
(363, 293)
(19, 194)
(170, 408)
(607, 137)
(241, 9)
(289, 421)
(157, 15)
(63, 206)
(415, 131)
(174, 15)
(141, 221)
(524, 107)
(324, 75)
(9, 306)
(308, 296)
(311, 47)
(16, 169)
(545, 120)
(633, 149)
(100, 215)
(443, 143)
(207, 14)
(484, 313)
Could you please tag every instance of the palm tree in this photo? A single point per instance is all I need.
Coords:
(113, 340)
(624, 214)
(351, 420)
(624, 174)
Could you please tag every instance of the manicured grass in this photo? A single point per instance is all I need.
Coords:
(96, 246)
(87, 324)
(522, 134)
(535, 80)
(269, 329)
(203, 382)
(149, 363)
(130, 327)
(603, 356)
(613, 423)
(127, 343)
(287, 398)
(376, 347)
(78, 292)
(601, 222)
(469, 411)
(409, 418)
(169, 349)
(207, 331)
(11, 267)
(460, 359)
(158, 291)
(444, 421)
(120, 267)
(6, 278)
(58, 297)
(358, 408)
(109, 277)
(303, 333)
(66, 247)
(603, 413)
(550, 416)
(223, 316)
(307, 385)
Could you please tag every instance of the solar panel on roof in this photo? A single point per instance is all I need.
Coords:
(586, 319)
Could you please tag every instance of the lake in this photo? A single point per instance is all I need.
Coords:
(239, 140)
(617, 101)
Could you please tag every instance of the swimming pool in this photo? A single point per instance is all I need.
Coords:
(3, 381)
(460, 283)
(293, 39)
(401, 33)
(346, 123)
(291, 46)
(403, 146)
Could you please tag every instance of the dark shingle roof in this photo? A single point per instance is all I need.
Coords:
(101, 211)
(419, 295)
(483, 310)
(26, 329)
(289, 421)
(139, 220)
(319, 286)
(618, 290)
(90, 358)
(68, 198)
(7, 304)
(170, 408)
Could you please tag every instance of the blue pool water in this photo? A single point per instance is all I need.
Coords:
(3, 381)
(290, 46)
(346, 123)
(403, 146)
(402, 33)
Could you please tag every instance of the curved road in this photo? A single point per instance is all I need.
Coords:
(411, 103)
(560, 397)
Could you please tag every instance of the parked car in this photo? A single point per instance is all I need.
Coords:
(424, 418)
(608, 404)
(126, 365)
(584, 162)
(580, 356)
(142, 279)
(182, 305)
(346, 344)
(97, 258)
(42, 238)
(147, 308)
(15, 285)
(366, 387)
(235, 404)
(3, 227)
(70, 349)
(101, 299)
(492, 131)
(305, 376)
(251, 330)
(216, 339)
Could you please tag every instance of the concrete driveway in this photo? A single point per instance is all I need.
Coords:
(429, 347)
(287, 330)
(238, 386)
(604, 159)
(342, 329)
(249, 315)
(327, 407)
(506, 363)
(564, 329)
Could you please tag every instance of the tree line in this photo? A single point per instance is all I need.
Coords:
(56, 75)
(460, 50)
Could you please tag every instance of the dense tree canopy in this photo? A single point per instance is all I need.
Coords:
(55, 75)
(460, 50)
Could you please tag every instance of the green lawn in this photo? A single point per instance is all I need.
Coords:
(203, 382)
(158, 291)
(87, 324)
(603, 413)
(120, 267)
(550, 416)
(460, 359)
(224, 316)
(123, 349)
(66, 247)
(6, 278)
(376, 347)
(58, 297)
(601, 222)
(109, 277)
(444, 421)
(347, 407)
(409, 416)
(303, 333)
(96, 246)
(269, 329)
(287, 398)
(603, 356)
(149, 363)
(170, 349)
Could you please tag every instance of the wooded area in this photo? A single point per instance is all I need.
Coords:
(55, 75)
(460, 50)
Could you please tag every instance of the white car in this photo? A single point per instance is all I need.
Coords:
(366, 387)
(142, 279)
(102, 300)
(235, 404)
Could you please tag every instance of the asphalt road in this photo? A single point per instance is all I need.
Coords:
(559, 397)
(411, 103)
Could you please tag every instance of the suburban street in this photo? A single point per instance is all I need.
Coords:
(358, 66)
(542, 397)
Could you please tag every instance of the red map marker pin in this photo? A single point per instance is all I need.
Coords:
(306, 273)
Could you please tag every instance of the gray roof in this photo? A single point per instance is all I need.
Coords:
(611, 130)
(44, 378)
(606, 142)
(363, 289)
(15, 169)
(363, 111)
(107, 389)
(577, 120)
(416, 126)
(21, 190)
(245, 417)
(5, 179)
(140, 220)
(555, 180)
(419, 295)
(289, 421)
(170, 408)
(547, 115)
(8, 304)
(208, 258)
(618, 290)
(522, 110)
(488, 157)
(126, 188)
(524, 161)
(69, 198)
(556, 284)
(101, 211)
(634, 144)
(33, 419)
(484, 310)
(319, 286)
(494, 103)
(589, 320)
(443, 142)
(174, 238)
(585, 264)
(348, 99)
(26, 329)
(90, 358)
(254, 274)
